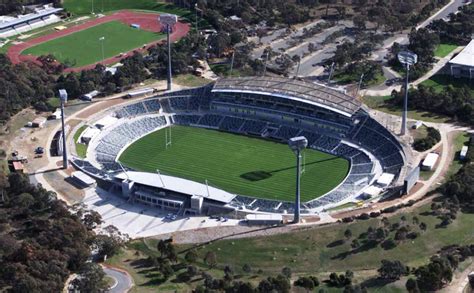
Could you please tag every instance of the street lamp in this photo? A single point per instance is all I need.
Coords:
(407, 58)
(297, 144)
(63, 99)
(168, 20)
(102, 44)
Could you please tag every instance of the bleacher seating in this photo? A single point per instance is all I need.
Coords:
(211, 120)
(153, 105)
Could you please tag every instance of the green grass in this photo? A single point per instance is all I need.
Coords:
(235, 163)
(306, 252)
(84, 47)
(439, 82)
(381, 103)
(191, 80)
(443, 50)
(81, 149)
(461, 139)
(53, 103)
(309, 251)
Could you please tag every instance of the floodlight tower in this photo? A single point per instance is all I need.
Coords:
(407, 58)
(297, 144)
(63, 99)
(168, 20)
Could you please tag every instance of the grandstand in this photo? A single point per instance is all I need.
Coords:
(41, 16)
(270, 108)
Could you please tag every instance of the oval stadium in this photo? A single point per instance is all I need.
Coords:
(224, 147)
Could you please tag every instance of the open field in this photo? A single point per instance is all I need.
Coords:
(316, 251)
(381, 103)
(84, 47)
(444, 49)
(235, 163)
(441, 81)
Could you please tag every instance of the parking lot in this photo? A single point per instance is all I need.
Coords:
(140, 220)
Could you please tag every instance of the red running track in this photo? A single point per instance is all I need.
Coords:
(147, 21)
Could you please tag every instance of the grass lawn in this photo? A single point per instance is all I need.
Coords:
(318, 249)
(461, 139)
(190, 80)
(81, 149)
(315, 251)
(84, 47)
(380, 103)
(443, 50)
(236, 163)
(342, 78)
(441, 81)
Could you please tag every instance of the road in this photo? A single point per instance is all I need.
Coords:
(123, 281)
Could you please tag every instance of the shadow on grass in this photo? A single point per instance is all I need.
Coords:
(262, 175)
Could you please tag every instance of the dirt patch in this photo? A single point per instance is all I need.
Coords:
(147, 21)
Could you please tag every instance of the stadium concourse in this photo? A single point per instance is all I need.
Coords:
(269, 108)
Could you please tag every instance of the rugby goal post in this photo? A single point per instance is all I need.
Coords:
(168, 140)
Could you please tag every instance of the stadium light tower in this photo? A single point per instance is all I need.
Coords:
(102, 39)
(407, 58)
(297, 144)
(168, 20)
(63, 99)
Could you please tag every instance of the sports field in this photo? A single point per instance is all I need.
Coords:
(235, 163)
(84, 47)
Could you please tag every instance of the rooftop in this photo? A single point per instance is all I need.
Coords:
(466, 56)
(179, 185)
(316, 94)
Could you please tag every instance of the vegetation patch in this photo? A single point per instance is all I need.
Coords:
(443, 50)
(81, 148)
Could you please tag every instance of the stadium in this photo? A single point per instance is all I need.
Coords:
(223, 148)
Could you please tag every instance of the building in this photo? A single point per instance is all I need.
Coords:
(90, 96)
(463, 64)
(429, 162)
(140, 93)
(42, 16)
(38, 122)
(264, 219)
(463, 153)
(89, 134)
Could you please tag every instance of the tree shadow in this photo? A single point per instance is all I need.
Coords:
(335, 243)
(376, 282)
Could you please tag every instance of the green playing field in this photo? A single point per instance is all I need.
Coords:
(85, 47)
(235, 163)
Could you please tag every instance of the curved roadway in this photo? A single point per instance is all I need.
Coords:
(123, 281)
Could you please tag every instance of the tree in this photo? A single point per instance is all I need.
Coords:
(392, 270)
(247, 268)
(90, 279)
(348, 234)
(423, 226)
(286, 271)
(306, 282)
(210, 259)
(191, 256)
(412, 286)
(166, 270)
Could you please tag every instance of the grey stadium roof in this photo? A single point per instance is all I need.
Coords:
(293, 89)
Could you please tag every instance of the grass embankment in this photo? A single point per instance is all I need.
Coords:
(460, 139)
(235, 163)
(443, 50)
(85, 47)
(439, 82)
(81, 149)
(315, 251)
(382, 103)
(190, 80)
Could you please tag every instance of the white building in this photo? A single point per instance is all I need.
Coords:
(429, 162)
(463, 64)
